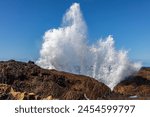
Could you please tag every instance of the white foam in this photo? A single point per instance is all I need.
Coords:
(66, 49)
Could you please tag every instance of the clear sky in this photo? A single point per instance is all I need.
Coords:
(23, 23)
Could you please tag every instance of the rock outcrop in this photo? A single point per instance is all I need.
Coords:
(27, 81)
(21, 80)
(137, 85)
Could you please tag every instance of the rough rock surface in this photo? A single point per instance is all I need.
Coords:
(27, 81)
(19, 80)
(136, 86)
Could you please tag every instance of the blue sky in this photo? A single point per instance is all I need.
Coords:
(23, 23)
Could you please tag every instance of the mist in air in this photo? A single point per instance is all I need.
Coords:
(66, 49)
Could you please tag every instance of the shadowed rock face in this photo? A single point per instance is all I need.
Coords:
(136, 85)
(29, 80)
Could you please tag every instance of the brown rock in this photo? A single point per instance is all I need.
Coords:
(138, 84)
(4, 91)
(18, 95)
(28, 77)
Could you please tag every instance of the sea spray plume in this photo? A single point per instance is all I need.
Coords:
(109, 65)
(66, 49)
(62, 47)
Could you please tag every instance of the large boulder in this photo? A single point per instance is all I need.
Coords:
(30, 78)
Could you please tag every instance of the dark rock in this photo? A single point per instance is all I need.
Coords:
(30, 78)
(31, 62)
(136, 85)
(4, 92)
(76, 95)
(61, 82)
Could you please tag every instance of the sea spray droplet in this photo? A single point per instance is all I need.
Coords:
(66, 49)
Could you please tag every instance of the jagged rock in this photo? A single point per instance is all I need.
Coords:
(136, 85)
(4, 91)
(28, 77)
(27, 81)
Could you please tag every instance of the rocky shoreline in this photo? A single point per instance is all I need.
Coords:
(27, 81)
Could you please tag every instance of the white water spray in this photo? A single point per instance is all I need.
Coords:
(66, 49)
